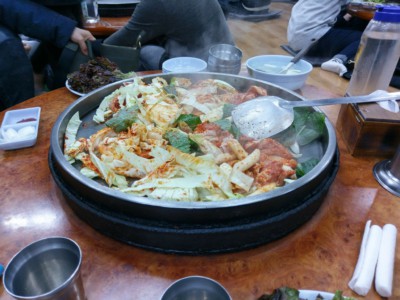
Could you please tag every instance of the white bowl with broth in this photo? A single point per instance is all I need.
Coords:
(268, 67)
(184, 64)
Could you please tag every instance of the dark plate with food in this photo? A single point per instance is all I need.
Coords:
(156, 163)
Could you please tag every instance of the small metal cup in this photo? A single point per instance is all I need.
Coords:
(196, 288)
(46, 269)
(90, 11)
(387, 173)
(225, 58)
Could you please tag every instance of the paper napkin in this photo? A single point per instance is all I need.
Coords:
(376, 259)
(385, 266)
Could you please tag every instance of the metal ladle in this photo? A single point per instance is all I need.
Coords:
(266, 116)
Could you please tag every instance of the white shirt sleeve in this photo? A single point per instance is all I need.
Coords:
(311, 19)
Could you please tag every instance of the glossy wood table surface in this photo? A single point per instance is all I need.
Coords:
(319, 255)
(106, 26)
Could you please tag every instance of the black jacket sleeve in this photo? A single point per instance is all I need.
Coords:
(36, 21)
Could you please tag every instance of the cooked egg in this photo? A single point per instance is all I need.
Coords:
(11, 134)
(26, 131)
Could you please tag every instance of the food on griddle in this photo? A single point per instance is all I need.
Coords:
(176, 141)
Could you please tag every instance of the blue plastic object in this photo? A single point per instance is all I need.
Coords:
(387, 13)
(1, 270)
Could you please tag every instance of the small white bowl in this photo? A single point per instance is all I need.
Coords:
(19, 128)
(184, 64)
(266, 67)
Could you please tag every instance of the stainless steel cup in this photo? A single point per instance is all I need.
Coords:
(46, 269)
(224, 58)
(90, 11)
(196, 288)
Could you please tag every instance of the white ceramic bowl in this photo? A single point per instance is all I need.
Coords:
(266, 67)
(184, 64)
(19, 128)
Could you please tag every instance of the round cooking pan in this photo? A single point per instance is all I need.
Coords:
(103, 207)
(286, 197)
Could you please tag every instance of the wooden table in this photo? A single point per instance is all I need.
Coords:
(319, 255)
(106, 26)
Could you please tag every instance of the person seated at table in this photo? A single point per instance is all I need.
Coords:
(338, 34)
(34, 20)
(173, 28)
(45, 58)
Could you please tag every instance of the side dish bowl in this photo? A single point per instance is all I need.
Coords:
(19, 128)
(267, 67)
(362, 9)
(184, 64)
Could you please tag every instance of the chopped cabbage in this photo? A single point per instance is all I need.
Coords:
(107, 173)
(150, 138)
(183, 194)
(203, 166)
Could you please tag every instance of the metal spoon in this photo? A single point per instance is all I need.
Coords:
(266, 116)
(298, 56)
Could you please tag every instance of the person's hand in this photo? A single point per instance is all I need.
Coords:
(80, 36)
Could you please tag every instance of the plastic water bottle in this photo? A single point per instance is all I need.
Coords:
(378, 52)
